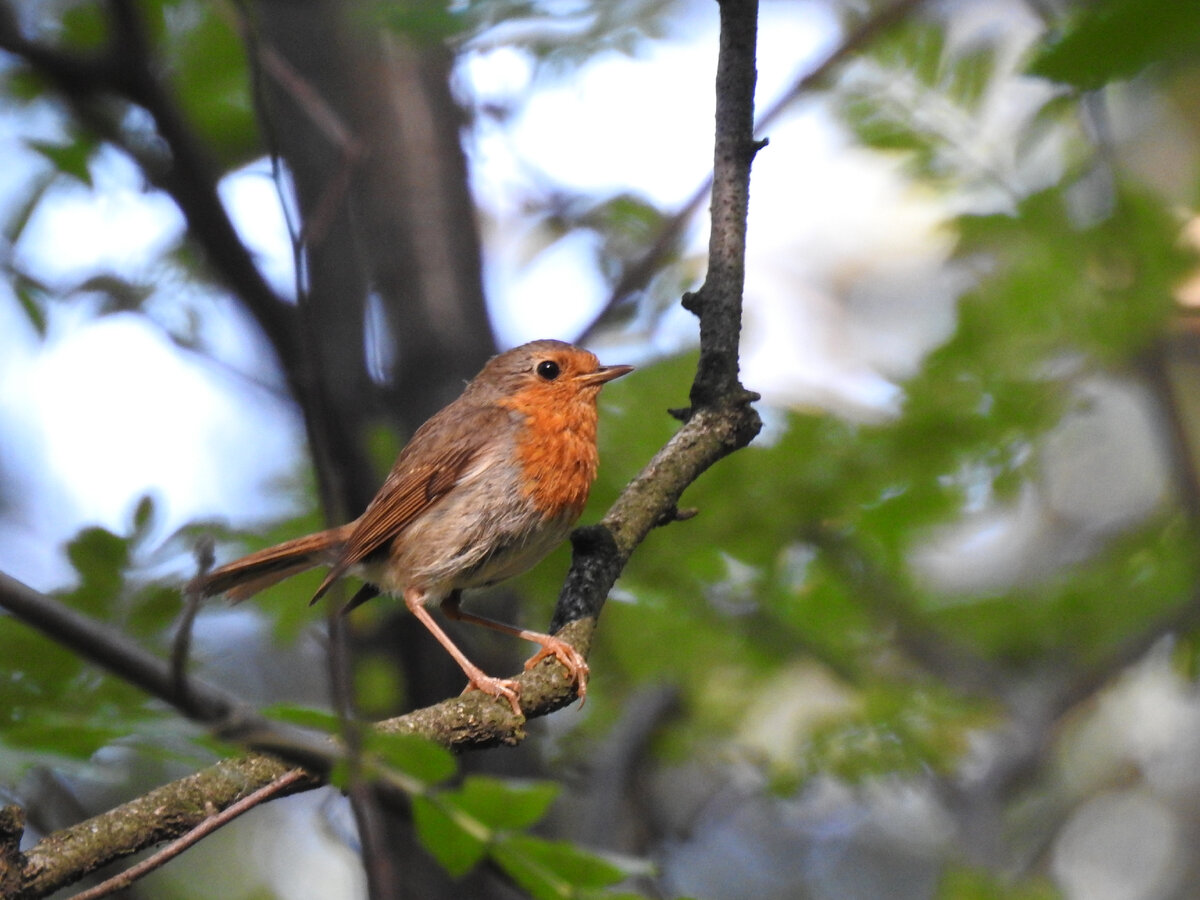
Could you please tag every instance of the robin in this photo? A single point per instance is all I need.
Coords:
(485, 489)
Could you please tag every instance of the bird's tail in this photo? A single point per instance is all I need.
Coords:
(245, 577)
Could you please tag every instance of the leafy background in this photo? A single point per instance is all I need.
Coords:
(938, 642)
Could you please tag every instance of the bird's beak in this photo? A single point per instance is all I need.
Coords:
(605, 374)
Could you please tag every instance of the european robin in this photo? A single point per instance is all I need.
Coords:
(485, 488)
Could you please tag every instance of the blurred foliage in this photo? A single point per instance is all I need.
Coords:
(62, 708)
(1118, 40)
(210, 76)
(467, 821)
(803, 561)
(802, 548)
(970, 884)
(561, 36)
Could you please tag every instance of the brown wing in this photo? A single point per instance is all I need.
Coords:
(422, 475)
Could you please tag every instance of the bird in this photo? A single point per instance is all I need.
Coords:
(484, 489)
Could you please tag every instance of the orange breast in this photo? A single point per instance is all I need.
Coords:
(557, 450)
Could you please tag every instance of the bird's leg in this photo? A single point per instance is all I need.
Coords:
(572, 659)
(496, 687)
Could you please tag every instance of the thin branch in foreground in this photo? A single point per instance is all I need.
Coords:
(381, 875)
(65, 856)
(123, 880)
(181, 647)
(266, 60)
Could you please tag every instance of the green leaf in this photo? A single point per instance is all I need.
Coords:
(959, 883)
(415, 756)
(23, 84)
(70, 159)
(1117, 39)
(455, 848)
(77, 736)
(211, 80)
(16, 224)
(502, 805)
(457, 826)
(84, 26)
(143, 516)
(32, 301)
(551, 870)
(100, 558)
(56, 705)
(304, 717)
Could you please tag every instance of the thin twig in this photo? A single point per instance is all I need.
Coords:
(364, 801)
(283, 187)
(350, 149)
(181, 647)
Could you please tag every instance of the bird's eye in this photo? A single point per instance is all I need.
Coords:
(548, 369)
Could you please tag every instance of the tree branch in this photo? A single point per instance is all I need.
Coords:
(720, 419)
(718, 303)
(163, 814)
(466, 722)
(280, 786)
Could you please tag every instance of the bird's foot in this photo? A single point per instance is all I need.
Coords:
(504, 688)
(572, 659)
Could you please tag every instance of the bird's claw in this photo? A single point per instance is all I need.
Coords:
(572, 659)
(504, 688)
